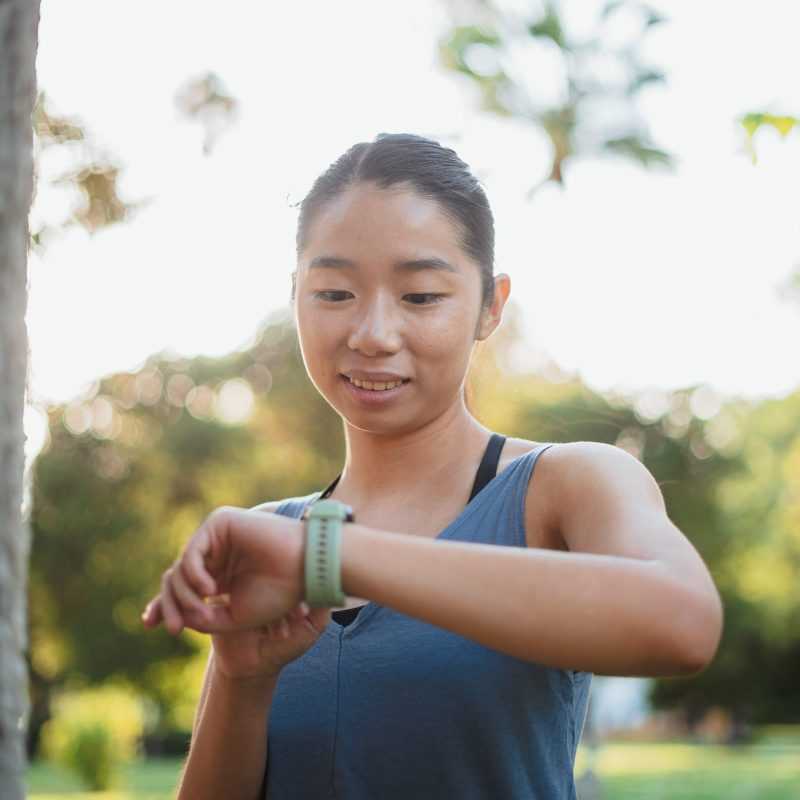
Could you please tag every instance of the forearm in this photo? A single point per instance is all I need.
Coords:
(603, 614)
(198, 714)
(228, 751)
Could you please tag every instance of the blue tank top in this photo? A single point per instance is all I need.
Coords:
(390, 707)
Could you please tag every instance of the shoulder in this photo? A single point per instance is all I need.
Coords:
(594, 486)
(582, 469)
(575, 480)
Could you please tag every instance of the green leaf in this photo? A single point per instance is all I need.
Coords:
(634, 147)
(549, 27)
(751, 122)
(610, 8)
(452, 48)
(654, 18)
(644, 78)
(783, 125)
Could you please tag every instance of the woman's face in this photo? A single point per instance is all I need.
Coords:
(384, 287)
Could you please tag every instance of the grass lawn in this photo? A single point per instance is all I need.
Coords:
(680, 771)
(768, 770)
(155, 779)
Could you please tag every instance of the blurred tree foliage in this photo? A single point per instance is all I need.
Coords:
(503, 52)
(133, 466)
(130, 471)
(205, 100)
(90, 172)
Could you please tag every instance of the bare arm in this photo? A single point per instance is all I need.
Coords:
(632, 597)
(225, 739)
(228, 752)
(640, 602)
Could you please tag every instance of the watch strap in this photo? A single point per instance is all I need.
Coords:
(323, 570)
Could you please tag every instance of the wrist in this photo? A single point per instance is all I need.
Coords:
(356, 539)
(259, 684)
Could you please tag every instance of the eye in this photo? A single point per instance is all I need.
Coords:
(327, 296)
(436, 298)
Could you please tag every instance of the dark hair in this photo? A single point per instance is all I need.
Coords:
(435, 172)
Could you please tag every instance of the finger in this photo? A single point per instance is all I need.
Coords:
(211, 538)
(194, 568)
(196, 621)
(152, 615)
(173, 620)
(185, 594)
(218, 619)
(283, 627)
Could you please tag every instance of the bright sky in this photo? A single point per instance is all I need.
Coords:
(635, 280)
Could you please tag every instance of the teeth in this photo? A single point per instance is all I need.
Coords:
(377, 386)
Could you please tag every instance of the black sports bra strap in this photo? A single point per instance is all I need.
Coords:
(486, 471)
(488, 466)
(329, 488)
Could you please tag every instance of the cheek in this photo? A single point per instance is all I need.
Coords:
(314, 339)
(445, 339)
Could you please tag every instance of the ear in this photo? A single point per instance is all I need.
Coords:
(490, 317)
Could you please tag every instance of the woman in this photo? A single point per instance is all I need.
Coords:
(478, 602)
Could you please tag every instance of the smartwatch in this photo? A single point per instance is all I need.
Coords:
(323, 568)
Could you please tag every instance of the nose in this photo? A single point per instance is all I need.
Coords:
(375, 328)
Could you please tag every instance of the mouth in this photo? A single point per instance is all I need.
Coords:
(376, 393)
(375, 386)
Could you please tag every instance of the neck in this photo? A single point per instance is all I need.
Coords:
(438, 456)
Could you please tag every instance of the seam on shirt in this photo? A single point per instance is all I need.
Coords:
(336, 714)
(572, 710)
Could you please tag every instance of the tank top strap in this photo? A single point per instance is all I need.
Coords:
(521, 474)
(488, 466)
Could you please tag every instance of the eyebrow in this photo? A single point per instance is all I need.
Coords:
(411, 265)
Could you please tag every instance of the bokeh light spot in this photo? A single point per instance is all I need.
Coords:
(235, 401)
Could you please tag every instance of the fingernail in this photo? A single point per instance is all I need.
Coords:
(304, 608)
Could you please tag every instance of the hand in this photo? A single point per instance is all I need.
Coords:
(262, 652)
(253, 558)
(267, 650)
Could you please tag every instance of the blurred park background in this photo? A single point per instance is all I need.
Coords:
(641, 160)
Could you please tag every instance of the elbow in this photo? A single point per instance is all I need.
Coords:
(696, 634)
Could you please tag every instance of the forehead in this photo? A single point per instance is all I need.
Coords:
(394, 223)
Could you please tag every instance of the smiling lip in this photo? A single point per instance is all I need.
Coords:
(372, 398)
(374, 377)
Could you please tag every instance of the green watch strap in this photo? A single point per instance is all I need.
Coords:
(323, 568)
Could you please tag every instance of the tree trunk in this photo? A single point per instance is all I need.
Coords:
(19, 21)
